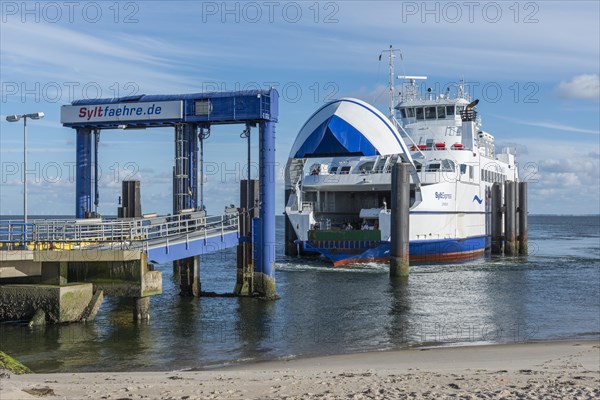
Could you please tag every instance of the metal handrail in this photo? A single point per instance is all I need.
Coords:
(118, 230)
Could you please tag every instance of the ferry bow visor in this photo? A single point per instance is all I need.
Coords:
(348, 127)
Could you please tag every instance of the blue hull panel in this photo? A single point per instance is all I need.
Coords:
(442, 250)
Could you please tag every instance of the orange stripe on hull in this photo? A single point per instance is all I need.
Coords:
(427, 258)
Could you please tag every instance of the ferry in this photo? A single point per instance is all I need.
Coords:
(338, 176)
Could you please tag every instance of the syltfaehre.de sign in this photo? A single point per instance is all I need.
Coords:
(121, 112)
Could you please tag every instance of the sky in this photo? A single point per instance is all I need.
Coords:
(534, 66)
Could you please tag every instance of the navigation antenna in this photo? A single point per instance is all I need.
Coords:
(391, 52)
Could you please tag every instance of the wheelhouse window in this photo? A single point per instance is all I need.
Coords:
(433, 167)
(449, 110)
(441, 112)
(429, 112)
(403, 112)
(448, 165)
(420, 113)
(410, 112)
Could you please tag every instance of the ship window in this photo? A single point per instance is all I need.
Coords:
(441, 112)
(459, 109)
(433, 167)
(366, 167)
(449, 110)
(403, 112)
(333, 170)
(420, 114)
(410, 112)
(448, 165)
(463, 168)
(429, 112)
(471, 172)
(345, 170)
(418, 166)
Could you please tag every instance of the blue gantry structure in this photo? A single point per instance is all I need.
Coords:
(191, 116)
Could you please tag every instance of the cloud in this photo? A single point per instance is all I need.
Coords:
(585, 86)
(550, 125)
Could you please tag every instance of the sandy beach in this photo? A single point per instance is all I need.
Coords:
(549, 370)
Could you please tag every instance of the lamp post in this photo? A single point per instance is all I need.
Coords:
(15, 118)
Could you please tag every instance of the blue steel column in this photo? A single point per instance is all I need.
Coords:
(186, 186)
(83, 173)
(192, 140)
(264, 268)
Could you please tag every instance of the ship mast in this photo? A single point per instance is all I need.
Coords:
(392, 89)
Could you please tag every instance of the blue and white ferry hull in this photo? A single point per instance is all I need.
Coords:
(341, 253)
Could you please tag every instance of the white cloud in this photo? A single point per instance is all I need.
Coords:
(584, 86)
(550, 125)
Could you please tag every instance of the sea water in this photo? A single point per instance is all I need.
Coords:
(552, 294)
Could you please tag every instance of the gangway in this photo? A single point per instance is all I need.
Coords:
(163, 239)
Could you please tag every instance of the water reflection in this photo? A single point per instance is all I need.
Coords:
(399, 330)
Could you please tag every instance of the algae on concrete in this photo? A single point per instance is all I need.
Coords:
(38, 319)
(12, 365)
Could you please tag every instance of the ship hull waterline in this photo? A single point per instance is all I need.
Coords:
(342, 253)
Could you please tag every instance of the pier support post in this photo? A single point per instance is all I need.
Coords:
(83, 173)
(264, 268)
(141, 310)
(523, 234)
(185, 196)
(399, 242)
(189, 276)
(510, 221)
(249, 199)
(291, 248)
(496, 218)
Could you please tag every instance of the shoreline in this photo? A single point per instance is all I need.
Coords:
(554, 369)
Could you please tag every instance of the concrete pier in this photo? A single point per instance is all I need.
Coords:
(65, 303)
(399, 241)
(69, 286)
(141, 309)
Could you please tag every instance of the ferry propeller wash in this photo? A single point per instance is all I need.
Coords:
(338, 177)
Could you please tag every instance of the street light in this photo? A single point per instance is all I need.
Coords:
(15, 118)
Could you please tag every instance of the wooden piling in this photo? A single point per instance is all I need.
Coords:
(523, 228)
(510, 220)
(399, 249)
(496, 218)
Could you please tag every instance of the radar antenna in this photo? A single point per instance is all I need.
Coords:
(392, 89)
